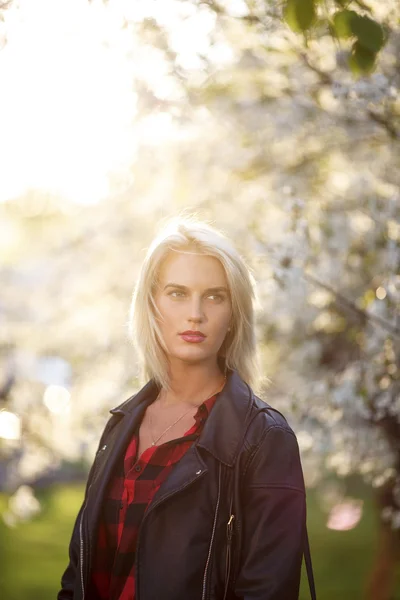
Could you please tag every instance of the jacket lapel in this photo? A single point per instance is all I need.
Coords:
(226, 426)
(187, 470)
(222, 437)
(130, 414)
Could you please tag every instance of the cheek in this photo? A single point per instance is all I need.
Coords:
(222, 320)
(169, 314)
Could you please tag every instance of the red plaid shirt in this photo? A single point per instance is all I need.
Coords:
(128, 495)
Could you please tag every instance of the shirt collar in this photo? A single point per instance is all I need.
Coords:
(204, 409)
(232, 410)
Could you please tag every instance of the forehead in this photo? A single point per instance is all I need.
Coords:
(192, 270)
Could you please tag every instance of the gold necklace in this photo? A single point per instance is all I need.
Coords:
(154, 442)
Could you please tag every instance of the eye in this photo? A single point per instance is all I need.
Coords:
(217, 297)
(176, 294)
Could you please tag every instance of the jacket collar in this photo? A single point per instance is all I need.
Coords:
(144, 396)
(225, 427)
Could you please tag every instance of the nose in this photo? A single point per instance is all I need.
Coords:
(196, 314)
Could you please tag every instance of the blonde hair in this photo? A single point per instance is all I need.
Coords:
(182, 234)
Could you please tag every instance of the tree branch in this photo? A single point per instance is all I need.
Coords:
(390, 128)
(393, 329)
(362, 5)
(326, 79)
(363, 314)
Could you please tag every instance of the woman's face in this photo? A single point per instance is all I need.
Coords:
(193, 298)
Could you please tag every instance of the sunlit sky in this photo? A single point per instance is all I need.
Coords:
(67, 101)
(68, 106)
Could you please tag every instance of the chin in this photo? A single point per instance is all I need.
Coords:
(191, 355)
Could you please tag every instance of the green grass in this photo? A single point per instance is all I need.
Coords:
(33, 555)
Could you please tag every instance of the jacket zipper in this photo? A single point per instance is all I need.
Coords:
(203, 597)
(152, 506)
(229, 534)
(81, 547)
(81, 553)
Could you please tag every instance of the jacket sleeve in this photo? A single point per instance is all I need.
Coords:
(71, 572)
(68, 579)
(274, 518)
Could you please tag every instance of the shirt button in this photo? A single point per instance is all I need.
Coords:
(138, 468)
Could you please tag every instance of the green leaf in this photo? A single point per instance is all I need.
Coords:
(369, 33)
(299, 14)
(362, 61)
(342, 23)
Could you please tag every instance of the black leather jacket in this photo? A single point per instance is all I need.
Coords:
(182, 542)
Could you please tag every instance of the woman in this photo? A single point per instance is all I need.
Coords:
(196, 491)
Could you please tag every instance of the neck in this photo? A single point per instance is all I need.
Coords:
(192, 384)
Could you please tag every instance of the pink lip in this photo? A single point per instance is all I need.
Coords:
(194, 338)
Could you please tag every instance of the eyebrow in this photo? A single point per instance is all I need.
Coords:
(183, 287)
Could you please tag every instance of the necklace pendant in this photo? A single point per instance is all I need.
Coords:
(153, 443)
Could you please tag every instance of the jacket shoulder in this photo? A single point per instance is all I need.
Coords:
(265, 417)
